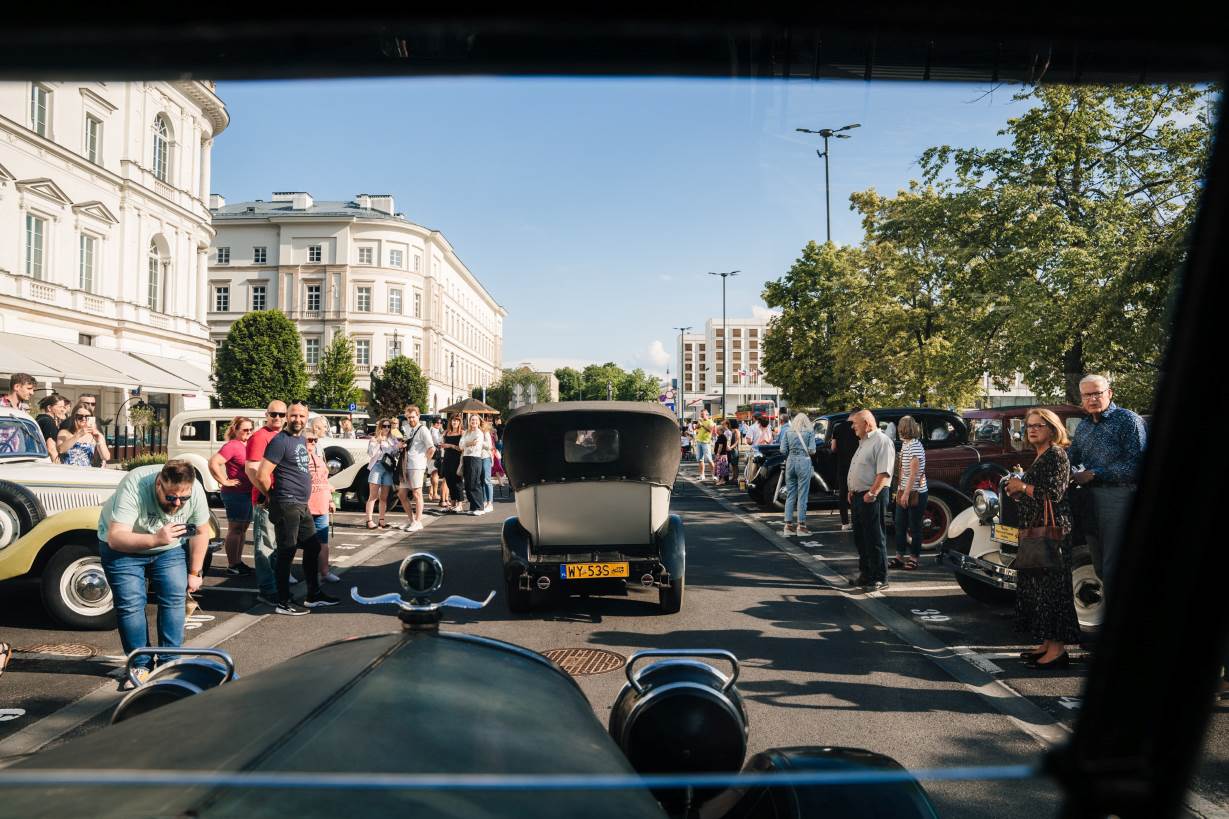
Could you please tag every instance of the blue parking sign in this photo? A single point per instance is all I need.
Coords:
(353, 406)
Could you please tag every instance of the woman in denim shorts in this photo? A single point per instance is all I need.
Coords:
(227, 468)
(379, 479)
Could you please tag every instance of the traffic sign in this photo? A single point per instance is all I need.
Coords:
(353, 406)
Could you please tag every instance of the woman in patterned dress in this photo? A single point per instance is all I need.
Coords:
(1045, 608)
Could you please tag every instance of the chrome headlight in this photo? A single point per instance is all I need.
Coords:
(985, 505)
(757, 458)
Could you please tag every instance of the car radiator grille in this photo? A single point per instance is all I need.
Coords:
(61, 500)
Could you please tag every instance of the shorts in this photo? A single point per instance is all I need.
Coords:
(704, 451)
(238, 506)
(322, 528)
(379, 475)
(414, 478)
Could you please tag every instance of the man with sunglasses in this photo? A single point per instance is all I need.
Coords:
(1107, 449)
(264, 536)
(285, 476)
(142, 531)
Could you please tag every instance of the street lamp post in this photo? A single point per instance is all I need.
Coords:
(396, 345)
(828, 133)
(725, 337)
(682, 375)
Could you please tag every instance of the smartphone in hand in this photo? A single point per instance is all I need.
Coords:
(189, 529)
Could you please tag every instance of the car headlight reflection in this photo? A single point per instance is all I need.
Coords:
(985, 505)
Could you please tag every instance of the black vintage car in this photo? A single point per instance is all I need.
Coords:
(592, 483)
(420, 722)
(952, 466)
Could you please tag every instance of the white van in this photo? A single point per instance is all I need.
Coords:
(195, 436)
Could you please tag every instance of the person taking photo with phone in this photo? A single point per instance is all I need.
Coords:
(142, 530)
(84, 444)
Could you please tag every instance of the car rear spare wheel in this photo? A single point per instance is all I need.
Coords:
(671, 598)
(75, 591)
(20, 511)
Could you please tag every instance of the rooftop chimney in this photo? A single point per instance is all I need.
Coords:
(382, 202)
(298, 200)
(363, 200)
(216, 201)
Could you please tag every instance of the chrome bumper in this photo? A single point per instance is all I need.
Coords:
(990, 573)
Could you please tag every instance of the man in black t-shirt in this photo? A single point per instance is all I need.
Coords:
(285, 476)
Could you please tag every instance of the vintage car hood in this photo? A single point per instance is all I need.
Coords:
(395, 703)
(60, 487)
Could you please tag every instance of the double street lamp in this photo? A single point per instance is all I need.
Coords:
(682, 374)
(725, 335)
(828, 133)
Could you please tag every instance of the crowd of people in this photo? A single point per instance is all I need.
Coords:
(70, 430)
(1104, 455)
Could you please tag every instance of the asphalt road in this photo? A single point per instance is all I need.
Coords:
(920, 672)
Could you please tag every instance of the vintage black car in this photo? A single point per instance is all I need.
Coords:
(420, 722)
(592, 483)
(983, 541)
(953, 466)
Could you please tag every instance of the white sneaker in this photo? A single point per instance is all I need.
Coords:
(846, 527)
(330, 578)
(294, 581)
(416, 526)
(474, 513)
(490, 507)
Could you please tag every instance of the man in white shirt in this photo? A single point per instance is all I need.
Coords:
(419, 450)
(869, 474)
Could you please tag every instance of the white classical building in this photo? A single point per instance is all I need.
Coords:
(105, 225)
(705, 368)
(357, 267)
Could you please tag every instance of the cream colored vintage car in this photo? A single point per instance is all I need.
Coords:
(49, 525)
(197, 434)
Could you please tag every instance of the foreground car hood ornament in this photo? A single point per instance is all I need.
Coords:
(420, 574)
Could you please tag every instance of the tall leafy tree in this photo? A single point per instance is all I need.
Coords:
(1077, 229)
(638, 386)
(599, 379)
(570, 381)
(400, 382)
(334, 384)
(499, 395)
(261, 359)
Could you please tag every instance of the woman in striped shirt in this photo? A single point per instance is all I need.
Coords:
(909, 508)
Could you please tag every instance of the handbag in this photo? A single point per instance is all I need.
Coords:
(1040, 545)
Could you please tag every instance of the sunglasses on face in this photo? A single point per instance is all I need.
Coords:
(276, 414)
(177, 498)
(386, 426)
(84, 417)
(245, 430)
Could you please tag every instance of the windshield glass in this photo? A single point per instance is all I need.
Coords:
(21, 438)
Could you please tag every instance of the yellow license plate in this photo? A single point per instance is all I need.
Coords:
(592, 571)
(1005, 534)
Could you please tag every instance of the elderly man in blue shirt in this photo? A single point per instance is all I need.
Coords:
(1107, 448)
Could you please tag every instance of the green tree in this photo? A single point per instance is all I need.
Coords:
(638, 386)
(261, 359)
(499, 395)
(401, 382)
(596, 378)
(569, 384)
(334, 385)
(1072, 235)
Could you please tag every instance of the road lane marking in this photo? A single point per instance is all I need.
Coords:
(897, 585)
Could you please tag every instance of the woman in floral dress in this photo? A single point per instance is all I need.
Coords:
(1045, 607)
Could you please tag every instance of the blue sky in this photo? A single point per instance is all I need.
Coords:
(591, 209)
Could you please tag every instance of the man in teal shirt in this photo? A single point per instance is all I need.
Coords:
(143, 528)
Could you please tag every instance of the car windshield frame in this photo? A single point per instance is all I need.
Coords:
(8, 431)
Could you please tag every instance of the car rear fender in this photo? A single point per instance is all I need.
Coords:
(201, 465)
(36, 546)
(672, 546)
(515, 543)
(963, 522)
(347, 480)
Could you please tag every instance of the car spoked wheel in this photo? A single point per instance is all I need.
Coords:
(75, 589)
(778, 494)
(935, 520)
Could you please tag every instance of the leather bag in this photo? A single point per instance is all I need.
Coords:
(1040, 546)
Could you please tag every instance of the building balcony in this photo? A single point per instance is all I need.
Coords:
(69, 300)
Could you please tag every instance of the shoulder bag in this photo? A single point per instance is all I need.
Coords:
(1040, 545)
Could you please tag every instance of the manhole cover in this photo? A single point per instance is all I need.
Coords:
(581, 661)
(61, 649)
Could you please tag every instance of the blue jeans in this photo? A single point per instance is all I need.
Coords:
(264, 544)
(126, 575)
(490, 486)
(797, 487)
(910, 517)
(869, 536)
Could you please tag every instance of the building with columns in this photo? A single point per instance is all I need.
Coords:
(106, 230)
(361, 268)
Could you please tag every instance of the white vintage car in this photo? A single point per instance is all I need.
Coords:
(49, 525)
(197, 434)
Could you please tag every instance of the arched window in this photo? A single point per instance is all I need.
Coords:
(162, 148)
(154, 291)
